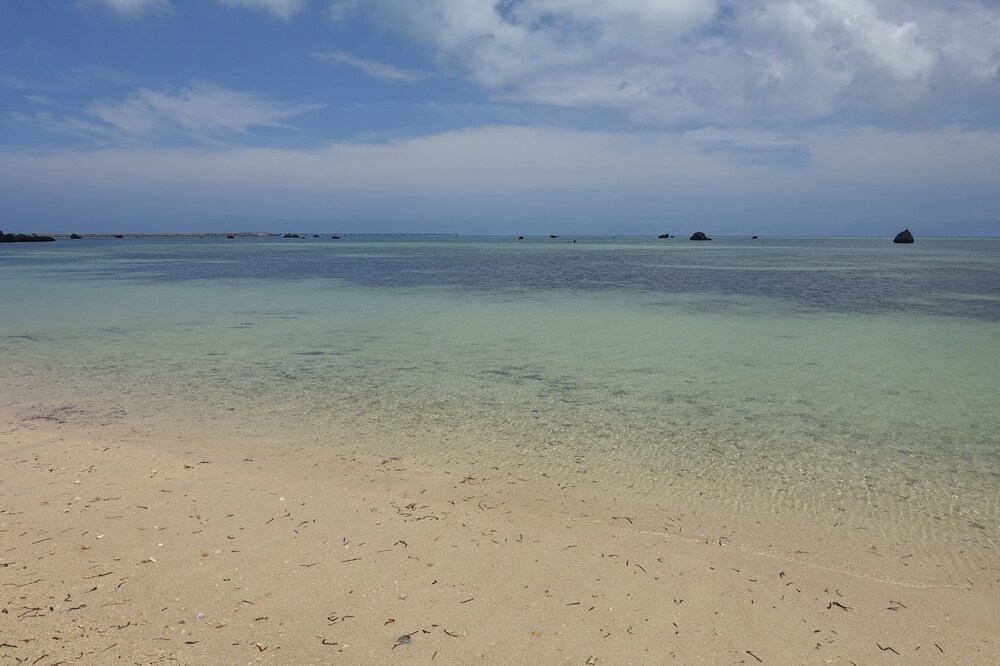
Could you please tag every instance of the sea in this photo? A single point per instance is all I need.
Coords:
(805, 381)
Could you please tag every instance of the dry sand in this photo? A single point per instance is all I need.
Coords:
(117, 548)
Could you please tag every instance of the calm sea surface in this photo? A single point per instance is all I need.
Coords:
(817, 376)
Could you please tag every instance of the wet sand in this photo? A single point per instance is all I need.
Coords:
(118, 547)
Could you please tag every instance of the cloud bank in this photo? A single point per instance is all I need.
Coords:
(710, 62)
(506, 179)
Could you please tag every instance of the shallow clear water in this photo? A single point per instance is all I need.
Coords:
(817, 376)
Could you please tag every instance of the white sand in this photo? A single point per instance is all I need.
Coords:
(117, 549)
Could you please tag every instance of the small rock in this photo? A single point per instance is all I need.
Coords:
(903, 236)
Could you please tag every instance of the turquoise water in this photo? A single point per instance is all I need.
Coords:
(811, 376)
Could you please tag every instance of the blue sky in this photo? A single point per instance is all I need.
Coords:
(783, 117)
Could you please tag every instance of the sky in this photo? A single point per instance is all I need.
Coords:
(772, 117)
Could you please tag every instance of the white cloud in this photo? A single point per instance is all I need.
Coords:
(39, 99)
(966, 37)
(202, 111)
(53, 123)
(281, 8)
(709, 61)
(633, 19)
(133, 9)
(372, 68)
(14, 82)
(341, 9)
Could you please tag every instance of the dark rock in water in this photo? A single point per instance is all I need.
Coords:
(24, 238)
(699, 235)
(903, 236)
(75, 236)
(553, 236)
(315, 235)
(335, 237)
(520, 238)
(119, 236)
(291, 236)
(664, 236)
(754, 237)
(230, 236)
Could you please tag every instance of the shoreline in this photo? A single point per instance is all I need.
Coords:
(154, 549)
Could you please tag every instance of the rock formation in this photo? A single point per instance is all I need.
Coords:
(23, 238)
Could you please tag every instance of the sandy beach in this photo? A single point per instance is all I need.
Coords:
(126, 548)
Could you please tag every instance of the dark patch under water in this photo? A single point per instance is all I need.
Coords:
(944, 277)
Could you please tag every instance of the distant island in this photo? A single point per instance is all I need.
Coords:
(24, 238)
(247, 234)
